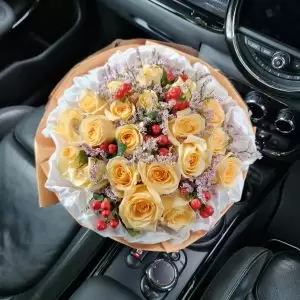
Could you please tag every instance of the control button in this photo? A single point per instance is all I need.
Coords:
(280, 60)
(148, 292)
(296, 65)
(266, 51)
(175, 256)
(162, 275)
(253, 45)
(135, 258)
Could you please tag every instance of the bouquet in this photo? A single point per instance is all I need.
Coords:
(149, 148)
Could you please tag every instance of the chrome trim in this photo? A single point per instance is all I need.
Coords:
(260, 106)
(288, 117)
(155, 283)
(26, 14)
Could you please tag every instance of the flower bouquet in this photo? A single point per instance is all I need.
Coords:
(149, 148)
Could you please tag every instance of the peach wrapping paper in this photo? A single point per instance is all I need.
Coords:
(44, 147)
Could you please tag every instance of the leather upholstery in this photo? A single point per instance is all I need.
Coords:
(257, 274)
(42, 250)
(103, 288)
(31, 238)
(10, 117)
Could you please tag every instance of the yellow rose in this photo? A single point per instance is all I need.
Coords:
(113, 86)
(150, 74)
(193, 157)
(130, 136)
(121, 174)
(90, 176)
(147, 100)
(90, 103)
(185, 125)
(120, 110)
(218, 141)
(177, 212)
(79, 176)
(213, 107)
(163, 178)
(227, 171)
(97, 174)
(94, 130)
(68, 124)
(141, 208)
(187, 87)
(71, 157)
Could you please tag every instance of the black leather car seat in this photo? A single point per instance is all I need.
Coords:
(42, 250)
(257, 274)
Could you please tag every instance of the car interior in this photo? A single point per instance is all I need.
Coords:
(252, 252)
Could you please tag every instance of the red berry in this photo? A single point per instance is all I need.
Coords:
(184, 77)
(196, 204)
(209, 210)
(105, 205)
(114, 223)
(147, 137)
(156, 129)
(119, 94)
(177, 106)
(174, 92)
(185, 104)
(207, 195)
(106, 213)
(104, 146)
(112, 148)
(96, 205)
(125, 88)
(204, 214)
(163, 140)
(184, 192)
(101, 225)
(170, 76)
(163, 151)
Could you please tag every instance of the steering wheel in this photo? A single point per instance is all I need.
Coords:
(263, 61)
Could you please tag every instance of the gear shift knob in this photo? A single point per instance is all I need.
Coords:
(7, 18)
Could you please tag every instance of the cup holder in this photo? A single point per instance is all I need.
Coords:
(285, 122)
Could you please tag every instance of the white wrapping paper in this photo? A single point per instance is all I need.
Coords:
(237, 126)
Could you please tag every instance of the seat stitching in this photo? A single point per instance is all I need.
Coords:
(229, 293)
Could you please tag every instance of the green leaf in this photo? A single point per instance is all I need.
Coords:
(152, 115)
(133, 232)
(98, 197)
(182, 98)
(121, 148)
(164, 79)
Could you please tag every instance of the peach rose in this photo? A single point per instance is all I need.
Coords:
(193, 157)
(68, 124)
(120, 110)
(130, 136)
(184, 125)
(147, 100)
(228, 170)
(150, 75)
(163, 178)
(213, 107)
(121, 174)
(218, 141)
(141, 208)
(94, 130)
(177, 212)
(91, 103)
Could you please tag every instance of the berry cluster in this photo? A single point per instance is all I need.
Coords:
(104, 208)
(123, 91)
(205, 210)
(110, 148)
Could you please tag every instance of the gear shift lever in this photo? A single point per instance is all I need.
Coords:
(7, 18)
